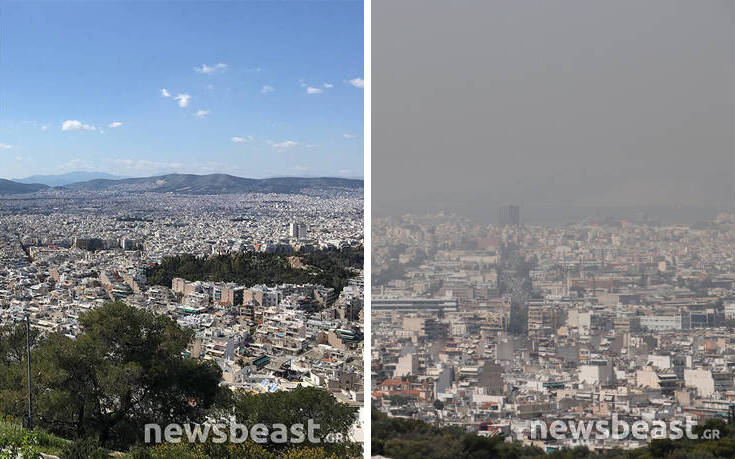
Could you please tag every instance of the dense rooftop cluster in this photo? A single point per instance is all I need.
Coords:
(65, 252)
(492, 327)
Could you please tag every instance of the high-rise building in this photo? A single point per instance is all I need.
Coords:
(509, 215)
(297, 230)
(491, 378)
(543, 319)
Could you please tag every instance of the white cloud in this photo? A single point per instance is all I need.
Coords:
(344, 172)
(301, 168)
(5, 146)
(201, 113)
(285, 145)
(310, 90)
(267, 89)
(242, 139)
(115, 124)
(44, 127)
(75, 125)
(210, 70)
(328, 85)
(347, 135)
(357, 82)
(183, 100)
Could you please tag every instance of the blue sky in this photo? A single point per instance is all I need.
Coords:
(254, 89)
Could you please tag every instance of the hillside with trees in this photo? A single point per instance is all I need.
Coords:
(330, 268)
(411, 439)
(128, 368)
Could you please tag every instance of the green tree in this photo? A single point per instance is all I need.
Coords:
(298, 406)
(331, 268)
(13, 342)
(124, 370)
(13, 375)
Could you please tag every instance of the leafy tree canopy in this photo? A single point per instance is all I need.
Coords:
(127, 368)
(331, 268)
(124, 370)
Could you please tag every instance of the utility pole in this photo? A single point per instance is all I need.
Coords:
(30, 386)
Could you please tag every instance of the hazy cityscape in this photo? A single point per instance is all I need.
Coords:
(491, 327)
(553, 240)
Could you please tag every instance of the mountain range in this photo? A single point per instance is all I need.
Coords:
(193, 184)
(11, 187)
(68, 178)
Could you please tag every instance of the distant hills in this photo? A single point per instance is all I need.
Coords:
(68, 178)
(10, 187)
(195, 184)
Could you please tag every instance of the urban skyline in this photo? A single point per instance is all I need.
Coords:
(536, 249)
(182, 227)
(553, 229)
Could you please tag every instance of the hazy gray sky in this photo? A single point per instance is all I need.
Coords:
(579, 103)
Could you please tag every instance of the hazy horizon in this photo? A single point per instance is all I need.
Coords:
(565, 105)
(562, 215)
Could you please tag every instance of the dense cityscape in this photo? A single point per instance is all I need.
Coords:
(493, 327)
(64, 253)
